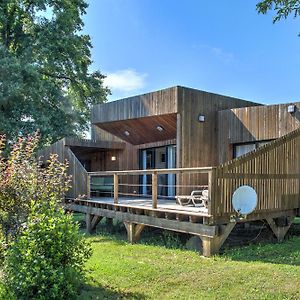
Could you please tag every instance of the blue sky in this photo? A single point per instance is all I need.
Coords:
(219, 46)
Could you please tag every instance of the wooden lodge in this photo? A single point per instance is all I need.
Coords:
(149, 149)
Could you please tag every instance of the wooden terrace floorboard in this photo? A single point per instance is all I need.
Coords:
(146, 203)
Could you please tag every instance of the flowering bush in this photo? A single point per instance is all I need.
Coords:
(24, 184)
(43, 252)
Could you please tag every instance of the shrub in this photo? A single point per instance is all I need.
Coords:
(2, 248)
(46, 260)
(25, 184)
(43, 251)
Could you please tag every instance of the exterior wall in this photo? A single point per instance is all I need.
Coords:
(254, 124)
(154, 103)
(198, 141)
(76, 170)
(57, 148)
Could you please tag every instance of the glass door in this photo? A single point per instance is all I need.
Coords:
(159, 158)
(148, 162)
(171, 154)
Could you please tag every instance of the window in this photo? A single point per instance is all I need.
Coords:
(241, 149)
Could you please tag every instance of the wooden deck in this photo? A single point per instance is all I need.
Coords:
(166, 205)
(138, 213)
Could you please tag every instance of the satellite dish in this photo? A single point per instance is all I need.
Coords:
(244, 200)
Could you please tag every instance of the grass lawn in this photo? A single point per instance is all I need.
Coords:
(118, 270)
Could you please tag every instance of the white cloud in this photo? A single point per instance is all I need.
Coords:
(125, 81)
(220, 54)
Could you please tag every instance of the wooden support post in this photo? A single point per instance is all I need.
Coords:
(88, 222)
(95, 222)
(211, 191)
(280, 231)
(88, 186)
(129, 228)
(116, 188)
(212, 245)
(154, 190)
(91, 222)
(133, 231)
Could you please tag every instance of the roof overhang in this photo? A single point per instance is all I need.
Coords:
(93, 144)
(143, 130)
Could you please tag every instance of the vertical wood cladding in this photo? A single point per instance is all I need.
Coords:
(76, 170)
(199, 140)
(150, 104)
(256, 123)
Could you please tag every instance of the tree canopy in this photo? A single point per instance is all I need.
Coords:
(283, 8)
(45, 61)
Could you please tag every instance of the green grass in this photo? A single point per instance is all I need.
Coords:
(118, 270)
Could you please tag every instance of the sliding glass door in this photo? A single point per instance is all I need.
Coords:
(159, 158)
(171, 154)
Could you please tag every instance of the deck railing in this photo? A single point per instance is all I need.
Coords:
(272, 170)
(180, 184)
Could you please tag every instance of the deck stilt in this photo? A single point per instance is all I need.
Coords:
(88, 221)
(91, 222)
(133, 231)
(280, 231)
(212, 245)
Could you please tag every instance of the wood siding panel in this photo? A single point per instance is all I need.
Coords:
(155, 103)
(76, 170)
(199, 140)
(256, 123)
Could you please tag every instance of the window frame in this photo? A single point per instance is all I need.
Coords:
(255, 143)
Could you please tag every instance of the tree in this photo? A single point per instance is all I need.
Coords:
(283, 8)
(45, 61)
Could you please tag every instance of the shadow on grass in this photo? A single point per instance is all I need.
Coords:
(108, 238)
(265, 249)
(94, 292)
(286, 253)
